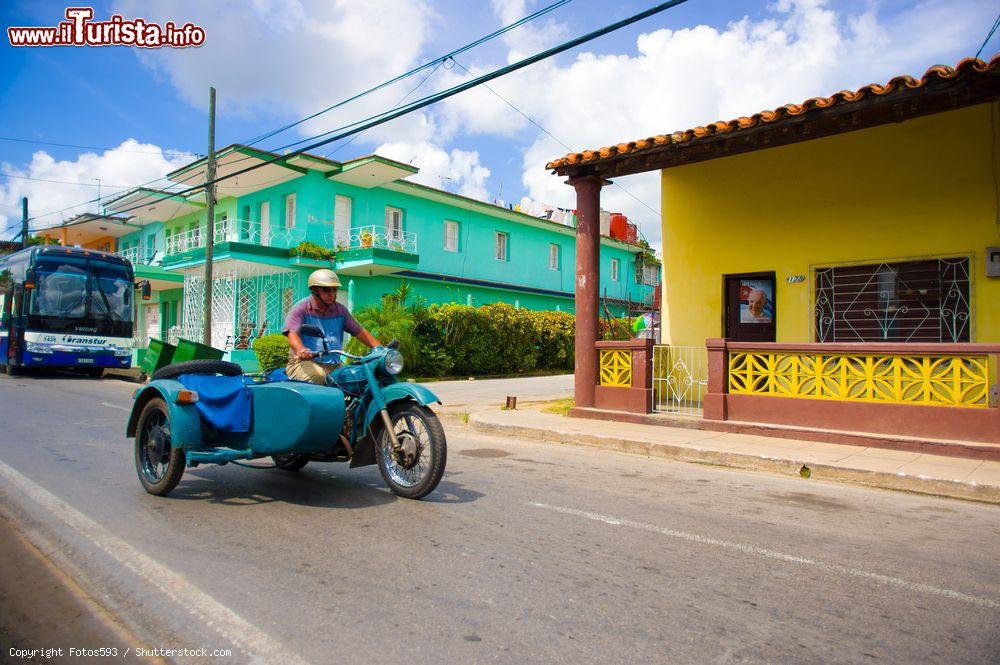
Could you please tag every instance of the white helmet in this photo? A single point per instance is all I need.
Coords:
(324, 277)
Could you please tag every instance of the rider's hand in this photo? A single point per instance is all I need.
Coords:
(305, 354)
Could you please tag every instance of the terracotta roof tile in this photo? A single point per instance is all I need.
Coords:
(966, 67)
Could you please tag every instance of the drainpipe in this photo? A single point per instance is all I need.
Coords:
(350, 295)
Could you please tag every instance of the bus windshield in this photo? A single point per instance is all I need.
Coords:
(82, 289)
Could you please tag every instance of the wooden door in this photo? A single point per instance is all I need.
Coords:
(750, 310)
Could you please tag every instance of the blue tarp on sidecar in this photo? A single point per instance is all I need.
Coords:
(223, 401)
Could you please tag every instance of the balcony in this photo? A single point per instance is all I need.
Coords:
(235, 230)
(138, 256)
(378, 237)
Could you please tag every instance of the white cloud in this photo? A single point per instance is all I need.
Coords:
(272, 58)
(677, 79)
(456, 171)
(131, 164)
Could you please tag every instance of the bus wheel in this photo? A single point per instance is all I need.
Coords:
(12, 370)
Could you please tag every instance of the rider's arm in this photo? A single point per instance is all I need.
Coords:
(366, 338)
(301, 352)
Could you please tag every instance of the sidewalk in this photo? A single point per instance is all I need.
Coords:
(921, 473)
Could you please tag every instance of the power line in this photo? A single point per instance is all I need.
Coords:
(432, 63)
(454, 90)
(551, 136)
(92, 147)
(436, 61)
(62, 182)
(989, 35)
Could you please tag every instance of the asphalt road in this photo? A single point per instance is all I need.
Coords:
(526, 553)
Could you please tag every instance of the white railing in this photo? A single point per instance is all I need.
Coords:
(246, 231)
(137, 256)
(372, 236)
(235, 230)
(680, 379)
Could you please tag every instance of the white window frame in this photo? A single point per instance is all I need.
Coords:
(500, 246)
(290, 211)
(342, 212)
(393, 223)
(615, 269)
(451, 246)
(554, 251)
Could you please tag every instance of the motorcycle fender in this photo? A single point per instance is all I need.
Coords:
(185, 422)
(397, 391)
(365, 453)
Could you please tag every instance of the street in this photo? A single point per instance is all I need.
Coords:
(527, 552)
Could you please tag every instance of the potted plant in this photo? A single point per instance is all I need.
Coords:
(366, 238)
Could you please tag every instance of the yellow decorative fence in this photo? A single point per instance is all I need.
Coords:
(616, 368)
(945, 380)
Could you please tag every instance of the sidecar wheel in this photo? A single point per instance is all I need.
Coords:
(159, 464)
(418, 426)
(290, 462)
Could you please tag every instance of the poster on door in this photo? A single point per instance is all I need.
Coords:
(756, 301)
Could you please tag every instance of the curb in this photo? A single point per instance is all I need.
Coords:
(747, 462)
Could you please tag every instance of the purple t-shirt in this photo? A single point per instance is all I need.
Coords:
(306, 311)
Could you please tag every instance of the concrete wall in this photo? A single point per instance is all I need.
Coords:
(922, 188)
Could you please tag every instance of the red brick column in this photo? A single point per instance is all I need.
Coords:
(588, 238)
(714, 404)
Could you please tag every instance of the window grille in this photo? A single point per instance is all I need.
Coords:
(553, 257)
(906, 301)
(393, 223)
(615, 267)
(290, 211)
(450, 236)
(501, 246)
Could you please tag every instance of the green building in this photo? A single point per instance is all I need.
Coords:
(380, 227)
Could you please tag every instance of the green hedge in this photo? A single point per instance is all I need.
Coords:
(272, 351)
(492, 339)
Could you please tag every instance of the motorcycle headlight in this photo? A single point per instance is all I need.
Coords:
(32, 347)
(393, 362)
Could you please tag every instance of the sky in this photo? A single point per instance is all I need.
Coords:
(131, 115)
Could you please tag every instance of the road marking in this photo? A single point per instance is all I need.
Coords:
(205, 609)
(774, 554)
(117, 406)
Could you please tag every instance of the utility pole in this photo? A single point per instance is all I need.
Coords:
(24, 222)
(210, 226)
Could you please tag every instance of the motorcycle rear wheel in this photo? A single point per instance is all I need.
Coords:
(422, 427)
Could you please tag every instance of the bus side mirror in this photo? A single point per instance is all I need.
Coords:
(146, 289)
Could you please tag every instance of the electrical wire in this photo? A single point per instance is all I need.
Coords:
(63, 182)
(432, 63)
(454, 90)
(989, 36)
(551, 136)
(437, 61)
(92, 147)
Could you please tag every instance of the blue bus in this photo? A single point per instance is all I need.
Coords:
(66, 307)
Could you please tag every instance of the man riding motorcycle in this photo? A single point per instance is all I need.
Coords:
(320, 309)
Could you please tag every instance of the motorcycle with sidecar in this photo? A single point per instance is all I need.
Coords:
(209, 412)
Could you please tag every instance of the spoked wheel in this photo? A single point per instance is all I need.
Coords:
(160, 466)
(416, 472)
(290, 462)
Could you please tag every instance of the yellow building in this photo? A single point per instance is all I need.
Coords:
(846, 249)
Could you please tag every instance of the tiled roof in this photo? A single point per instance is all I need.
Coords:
(968, 68)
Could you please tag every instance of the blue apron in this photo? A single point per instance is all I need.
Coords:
(333, 332)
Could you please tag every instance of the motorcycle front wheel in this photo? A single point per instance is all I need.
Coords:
(420, 431)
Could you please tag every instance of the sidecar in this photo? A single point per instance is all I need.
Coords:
(216, 415)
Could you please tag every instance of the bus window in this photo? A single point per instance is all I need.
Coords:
(61, 292)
